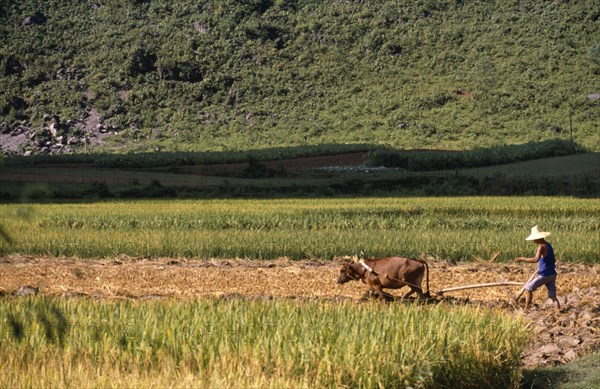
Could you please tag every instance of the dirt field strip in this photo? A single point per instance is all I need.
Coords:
(560, 336)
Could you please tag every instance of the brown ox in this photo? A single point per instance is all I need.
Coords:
(390, 273)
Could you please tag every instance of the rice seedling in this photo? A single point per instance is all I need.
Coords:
(254, 343)
(447, 228)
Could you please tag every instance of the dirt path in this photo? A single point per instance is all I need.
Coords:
(560, 336)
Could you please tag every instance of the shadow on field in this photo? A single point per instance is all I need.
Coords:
(370, 295)
(543, 378)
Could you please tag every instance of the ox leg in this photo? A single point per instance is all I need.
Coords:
(373, 293)
(420, 292)
(413, 290)
(409, 293)
(380, 292)
(418, 289)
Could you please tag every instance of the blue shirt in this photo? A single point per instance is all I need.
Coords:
(546, 263)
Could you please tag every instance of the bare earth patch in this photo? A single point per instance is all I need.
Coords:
(558, 336)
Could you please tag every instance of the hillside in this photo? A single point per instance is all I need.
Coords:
(125, 75)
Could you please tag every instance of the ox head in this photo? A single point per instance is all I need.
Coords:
(347, 273)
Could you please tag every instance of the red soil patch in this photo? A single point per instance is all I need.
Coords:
(292, 165)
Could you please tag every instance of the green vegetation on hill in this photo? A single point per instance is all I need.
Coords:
(248, 74)
(440, 160)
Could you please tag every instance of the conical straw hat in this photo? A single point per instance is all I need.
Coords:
(537, 233)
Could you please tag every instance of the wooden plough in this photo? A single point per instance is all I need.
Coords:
(475, 286)
(489, 285)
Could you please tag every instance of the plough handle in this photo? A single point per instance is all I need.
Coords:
(533, 275)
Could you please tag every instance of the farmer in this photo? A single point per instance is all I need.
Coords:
(544, 256)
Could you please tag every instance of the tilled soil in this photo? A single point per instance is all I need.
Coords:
(559, 336)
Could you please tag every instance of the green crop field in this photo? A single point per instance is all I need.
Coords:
(236, 343)
(246, 342)
(447, 228)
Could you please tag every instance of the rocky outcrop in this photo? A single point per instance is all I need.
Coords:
(54, 136)
(13, 137)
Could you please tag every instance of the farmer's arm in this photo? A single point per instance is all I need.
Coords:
(538, 254)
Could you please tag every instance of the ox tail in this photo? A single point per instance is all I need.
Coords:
(427, 294)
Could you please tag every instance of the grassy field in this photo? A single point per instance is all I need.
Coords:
(253, 343)
(447, 228)
(585, 164)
